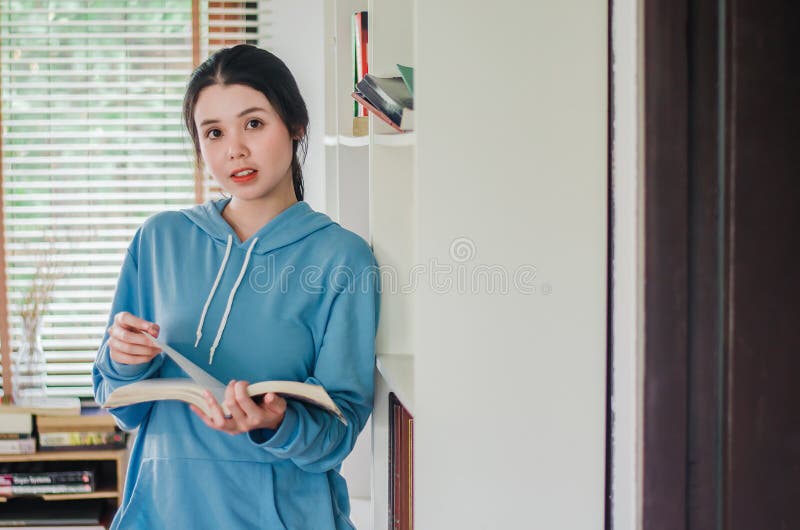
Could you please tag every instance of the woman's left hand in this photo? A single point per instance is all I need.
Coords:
(247, 415)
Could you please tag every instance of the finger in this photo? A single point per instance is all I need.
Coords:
(239, 416)
(203, 416)
(118, 346)
(274, 403)
(131, 337)
(134, 323)
(246, 402)
(217, 415)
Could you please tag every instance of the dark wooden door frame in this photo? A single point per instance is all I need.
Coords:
(722, 293)
(684, 293)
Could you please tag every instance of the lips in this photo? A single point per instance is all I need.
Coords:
(244, 174)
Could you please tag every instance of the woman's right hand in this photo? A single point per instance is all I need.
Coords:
(126, 344)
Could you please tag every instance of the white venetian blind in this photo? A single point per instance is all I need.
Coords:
(92, 144)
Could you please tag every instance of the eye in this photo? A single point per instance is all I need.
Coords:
(213, 133)
(254, 124)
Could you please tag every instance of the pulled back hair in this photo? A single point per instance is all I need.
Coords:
(260, 70)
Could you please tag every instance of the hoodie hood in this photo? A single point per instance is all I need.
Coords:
(294, 223)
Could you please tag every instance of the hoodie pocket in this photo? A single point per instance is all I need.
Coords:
(201, 494)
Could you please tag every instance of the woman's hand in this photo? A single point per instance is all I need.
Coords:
(125, 342)
(246, 414)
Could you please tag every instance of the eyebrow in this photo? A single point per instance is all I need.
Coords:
(245, 111)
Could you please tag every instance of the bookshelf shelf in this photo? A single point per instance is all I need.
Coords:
(42, 456)
(346, 140)
(406, 139)
(110, 467)
(398, 372)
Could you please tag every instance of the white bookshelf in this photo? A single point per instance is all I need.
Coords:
(371, 185)
(507, 391)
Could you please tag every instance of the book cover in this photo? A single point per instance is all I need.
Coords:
(407, 73)
(406, 121)
(389, 94)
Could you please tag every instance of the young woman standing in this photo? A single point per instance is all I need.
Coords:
(253, 287)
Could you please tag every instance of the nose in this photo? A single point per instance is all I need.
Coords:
(236, 147)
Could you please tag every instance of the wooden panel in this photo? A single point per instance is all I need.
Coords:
(666, 265)
(763, 469)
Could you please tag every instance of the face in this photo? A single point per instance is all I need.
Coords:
(243, 142)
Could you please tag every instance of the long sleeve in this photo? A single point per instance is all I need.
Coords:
(313, 439)
(108, 374)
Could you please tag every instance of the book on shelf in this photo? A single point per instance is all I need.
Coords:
(390, 96)
(46, 478)
(82, 440)
(15, 425)
(45, 489)
(26, 446)
(407, 73)
(401, 466)
(51, 406)
(90, 419)
(360, 38)
(405, 124)
(186, 390)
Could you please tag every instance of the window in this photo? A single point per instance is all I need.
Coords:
(92, 144)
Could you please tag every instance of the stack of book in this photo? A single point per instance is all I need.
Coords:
(16, 433)
(93, 429)
(389, 98)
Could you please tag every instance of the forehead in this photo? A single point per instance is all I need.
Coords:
(221, 102)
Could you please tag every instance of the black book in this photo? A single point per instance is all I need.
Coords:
(389, 94)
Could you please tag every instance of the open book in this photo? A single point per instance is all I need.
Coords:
(184, 389)
(192, 390)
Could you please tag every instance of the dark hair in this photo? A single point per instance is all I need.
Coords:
(259, 69)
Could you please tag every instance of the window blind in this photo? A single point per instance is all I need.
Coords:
(92, 144)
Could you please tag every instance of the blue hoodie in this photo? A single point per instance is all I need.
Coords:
(297, 301)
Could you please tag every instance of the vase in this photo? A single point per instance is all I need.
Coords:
(29, 372)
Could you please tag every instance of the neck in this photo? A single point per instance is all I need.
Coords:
(247, 217)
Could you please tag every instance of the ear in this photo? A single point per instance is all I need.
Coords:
(298, 134)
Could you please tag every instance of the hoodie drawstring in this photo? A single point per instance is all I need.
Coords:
(199, 332)
(230, 297)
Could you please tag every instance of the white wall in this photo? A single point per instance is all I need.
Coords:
(512, 155)
(297, 37)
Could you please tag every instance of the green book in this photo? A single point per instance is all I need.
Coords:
(407, 73)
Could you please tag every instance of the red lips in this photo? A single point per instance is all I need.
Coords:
(244, 178)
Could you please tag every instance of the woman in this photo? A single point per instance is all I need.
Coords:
(253, 287)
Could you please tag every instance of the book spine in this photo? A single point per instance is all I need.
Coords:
(47, 478)
(46, 489)
(15, 435)
(354, 25)
(18, 447)
(362, 51)
(80, 439)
